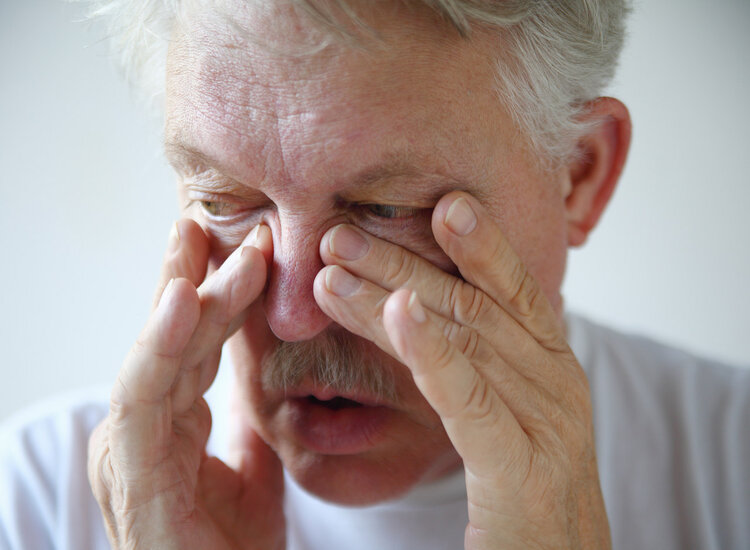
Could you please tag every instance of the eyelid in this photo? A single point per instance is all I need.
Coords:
(235, 207)
(195, 195)
(401, 211)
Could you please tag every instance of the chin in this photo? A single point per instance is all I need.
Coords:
(353, 453)
(364, 480)
(348, 443)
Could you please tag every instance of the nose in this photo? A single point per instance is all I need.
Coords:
(291, 310)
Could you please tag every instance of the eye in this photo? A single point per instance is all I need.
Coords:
(219, 209)
(390, 211)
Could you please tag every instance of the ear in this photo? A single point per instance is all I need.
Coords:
(593, 174)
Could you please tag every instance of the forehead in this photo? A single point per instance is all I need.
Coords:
(264, 92)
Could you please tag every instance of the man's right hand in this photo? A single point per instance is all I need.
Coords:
(148, 466)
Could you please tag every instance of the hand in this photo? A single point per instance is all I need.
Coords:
(148, 466)
(489, 355)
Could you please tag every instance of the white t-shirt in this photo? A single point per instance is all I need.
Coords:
(672, 437)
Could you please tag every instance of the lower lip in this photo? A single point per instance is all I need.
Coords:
(348, 430)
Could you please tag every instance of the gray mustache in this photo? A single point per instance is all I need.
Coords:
(335, 360)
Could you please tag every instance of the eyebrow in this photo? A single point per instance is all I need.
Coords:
(426, 186)
(395, 165)
(179, 150)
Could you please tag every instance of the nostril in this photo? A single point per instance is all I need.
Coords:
(289, 303)
(293, 317)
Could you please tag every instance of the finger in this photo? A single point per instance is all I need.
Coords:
(224, 296)
(138, 407)
(246, 499)
(392, 267)
(484, 257)
(358, 306)
(256, 461)
(151, 366)
(186, 256)
(248, 453)
(225, 293)
(168, 341)
(98, 467)
(481, 427)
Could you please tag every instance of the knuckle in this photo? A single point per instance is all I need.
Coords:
(471, 345)
(465, 340)
(443, 354)
(200, 414)
(451, 299)
(467, 303)
(99, 468)
(380, 308)
(148, 345)
(525, 292)
(397, 266)
(452, 332)
(124, 400)
(119, 400)
(479, 403)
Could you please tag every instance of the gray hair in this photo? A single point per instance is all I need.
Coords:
(558, 54)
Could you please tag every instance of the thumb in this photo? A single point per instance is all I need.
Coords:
(252, 458)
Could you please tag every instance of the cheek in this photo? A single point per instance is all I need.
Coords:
(535, 226)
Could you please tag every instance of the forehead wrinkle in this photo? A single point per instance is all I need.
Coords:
(248, 111)
(253, 108)
(245, 55)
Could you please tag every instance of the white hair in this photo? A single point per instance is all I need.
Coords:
(557, 56)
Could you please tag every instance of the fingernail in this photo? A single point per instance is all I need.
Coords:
(340, 282)
(252, 238)
(415, 309)
(460, 218)
(174, 238)
(166, 292)
(347, 244)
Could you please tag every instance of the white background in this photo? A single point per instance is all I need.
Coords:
(87, 201)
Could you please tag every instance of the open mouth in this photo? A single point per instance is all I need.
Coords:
(335, 403)
(328, 423)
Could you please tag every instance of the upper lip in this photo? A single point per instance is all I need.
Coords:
(326, 393)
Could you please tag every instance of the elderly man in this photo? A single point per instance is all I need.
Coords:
(378, 201)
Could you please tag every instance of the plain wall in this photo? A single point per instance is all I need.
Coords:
(87, 200)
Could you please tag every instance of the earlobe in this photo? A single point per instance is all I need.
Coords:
(592, 176)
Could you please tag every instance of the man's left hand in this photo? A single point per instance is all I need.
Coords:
(489, 354)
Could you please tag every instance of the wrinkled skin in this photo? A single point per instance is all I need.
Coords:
(456, 289)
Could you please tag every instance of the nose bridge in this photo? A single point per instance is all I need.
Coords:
(291, 310)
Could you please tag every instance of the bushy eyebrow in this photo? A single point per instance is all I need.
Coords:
(179, 151)
(395, 168)
(415, 184)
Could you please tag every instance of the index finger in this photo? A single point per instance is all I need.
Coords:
(186, 256)
(475, 243)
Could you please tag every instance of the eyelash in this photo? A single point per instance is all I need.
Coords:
(389, 211)
(214, 208)
(207, 207)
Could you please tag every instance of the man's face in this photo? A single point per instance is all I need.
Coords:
(370, 134)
